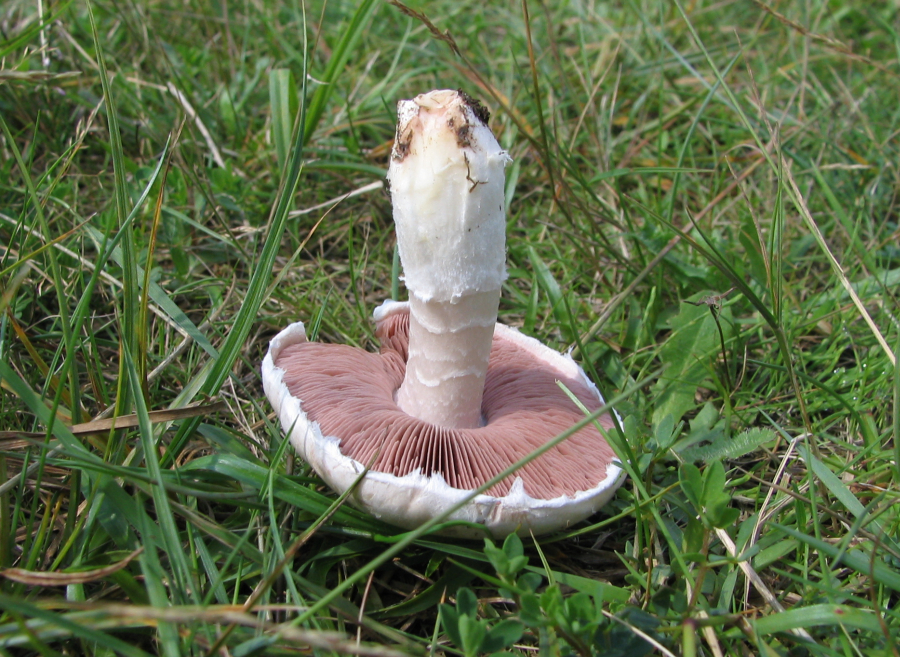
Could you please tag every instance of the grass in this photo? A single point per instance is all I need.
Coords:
(703, 205)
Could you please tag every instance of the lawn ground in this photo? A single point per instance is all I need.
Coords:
(703, 208)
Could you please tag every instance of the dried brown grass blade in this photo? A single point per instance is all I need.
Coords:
(37, 578)
(126, 421)
(800, 203)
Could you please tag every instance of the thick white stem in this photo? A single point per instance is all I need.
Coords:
(447, 188)
(449, 348)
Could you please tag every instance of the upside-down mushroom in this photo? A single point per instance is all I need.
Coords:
(453, 398)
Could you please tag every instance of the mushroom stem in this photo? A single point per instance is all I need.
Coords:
(449, 348)
(447, 188)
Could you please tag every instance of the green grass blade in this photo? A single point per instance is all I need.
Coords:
(70, 369)
(845, 496)
(554, 293)
(46, 621)
(817, 616)
(35, 404)
(283, 99)
(255, 293)
(336, 63)
(170, 535)
(130, 308)
(855, 559)
(160, 297)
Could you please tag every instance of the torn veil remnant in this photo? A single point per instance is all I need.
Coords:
(453, 398)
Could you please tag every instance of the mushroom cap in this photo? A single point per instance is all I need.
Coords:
(337, 405)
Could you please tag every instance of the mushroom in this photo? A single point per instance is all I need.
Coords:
(453, 398)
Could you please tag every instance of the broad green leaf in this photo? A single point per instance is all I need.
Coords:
(692, 484)
(512, 546)
(502, 635)
(687, 355)
(471, 632)
(530, 610)
(714, 482)
(496, 556)
(665, 432)
(692, 535)
(552, 600)
(466, 602)
(721, 515)
(599, 590)
(450, 623)
(724, 448)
